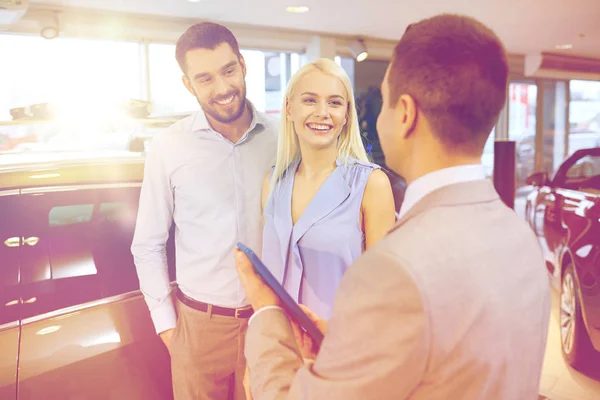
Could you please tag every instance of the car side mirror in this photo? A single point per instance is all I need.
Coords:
(538, 179)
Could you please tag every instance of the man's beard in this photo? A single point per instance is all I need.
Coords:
(226, 118)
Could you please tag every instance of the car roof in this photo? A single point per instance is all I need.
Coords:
(35, 169)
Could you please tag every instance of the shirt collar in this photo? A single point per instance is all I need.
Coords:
(201, 123)
(433, 181)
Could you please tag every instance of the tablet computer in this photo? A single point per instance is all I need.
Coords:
(288, 303)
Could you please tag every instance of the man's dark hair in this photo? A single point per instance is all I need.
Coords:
(206, 35)
(456, 70)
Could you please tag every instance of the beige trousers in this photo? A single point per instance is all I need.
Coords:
(207, 356)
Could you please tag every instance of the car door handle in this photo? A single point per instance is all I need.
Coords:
(31, 241)
(13, 242)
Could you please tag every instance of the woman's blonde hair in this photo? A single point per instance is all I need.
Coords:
(349, 142)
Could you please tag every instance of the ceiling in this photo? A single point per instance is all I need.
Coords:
(525, 26)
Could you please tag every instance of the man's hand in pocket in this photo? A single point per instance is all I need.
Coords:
(166, 336)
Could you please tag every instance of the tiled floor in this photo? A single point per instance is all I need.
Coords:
(560, 382)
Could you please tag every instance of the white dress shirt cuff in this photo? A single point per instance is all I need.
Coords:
(263, 309)
(164, 316)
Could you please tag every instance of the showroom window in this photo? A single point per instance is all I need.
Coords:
(584, 115)
(67, 94)
(521, 129)
(487, 158)
(278, 69)
(266, 79)
(86, 87)
(522, 101)
(81, 78)
(347, 63)
(167, 92)
(554, 126)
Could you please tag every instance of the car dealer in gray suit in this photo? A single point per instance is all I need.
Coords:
(454, 302)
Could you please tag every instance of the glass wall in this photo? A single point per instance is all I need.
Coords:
(584, 115)
(75, 90)
(266, 79)
(522, 102)
(554, 127)
(167, 92)
(487, 159)
(78, 76)
(87, 84)
(521, 128)
(80, 94)
(347, 63)
(279, 68)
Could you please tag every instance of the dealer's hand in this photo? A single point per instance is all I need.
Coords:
(257, 291)
(308, 348)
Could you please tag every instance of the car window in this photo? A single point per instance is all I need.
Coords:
(10, 243)
(586, 167)
(584, 175)
(77, 247)
(68, 215)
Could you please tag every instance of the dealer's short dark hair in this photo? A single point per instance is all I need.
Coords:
(205, 35)
(456, 70)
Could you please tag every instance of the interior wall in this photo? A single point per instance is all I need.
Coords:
(368, 74)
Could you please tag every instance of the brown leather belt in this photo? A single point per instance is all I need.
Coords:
(227, 312)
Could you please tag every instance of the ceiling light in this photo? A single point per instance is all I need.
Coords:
(297, 9)
(49, 32)
(359, 50)
(49, 27)
(563, 46)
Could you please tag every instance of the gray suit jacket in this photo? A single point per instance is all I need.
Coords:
(453, 303)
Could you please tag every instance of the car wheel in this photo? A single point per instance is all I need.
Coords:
(575, 341)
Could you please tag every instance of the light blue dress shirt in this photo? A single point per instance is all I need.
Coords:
(211, 189)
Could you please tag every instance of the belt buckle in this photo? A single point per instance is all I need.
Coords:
(237, 310)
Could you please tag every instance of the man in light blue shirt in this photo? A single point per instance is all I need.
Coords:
(203, 174)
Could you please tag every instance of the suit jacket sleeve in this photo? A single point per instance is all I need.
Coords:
(376, 345)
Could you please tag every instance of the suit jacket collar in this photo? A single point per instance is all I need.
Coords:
(473, 192)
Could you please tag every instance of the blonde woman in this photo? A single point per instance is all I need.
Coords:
(324, 203)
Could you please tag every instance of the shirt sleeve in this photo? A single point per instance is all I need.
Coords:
(263, 309)
(154, 220)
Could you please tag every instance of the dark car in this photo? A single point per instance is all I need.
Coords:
(565, 214)
(73, 322)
